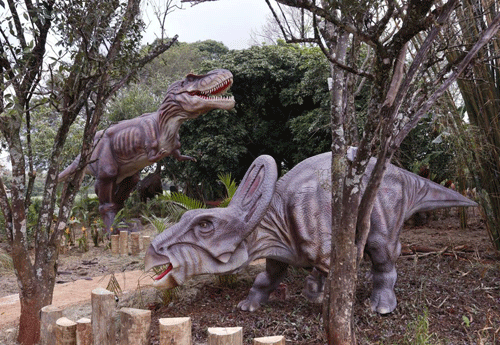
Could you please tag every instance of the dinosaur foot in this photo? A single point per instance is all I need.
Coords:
(383, 301)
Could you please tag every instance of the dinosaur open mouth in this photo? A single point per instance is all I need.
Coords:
(164, 273)
(215, 92)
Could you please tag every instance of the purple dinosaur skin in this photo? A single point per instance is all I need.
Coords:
(125, 148)
(289, 223)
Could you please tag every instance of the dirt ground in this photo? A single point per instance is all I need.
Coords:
(448, 292)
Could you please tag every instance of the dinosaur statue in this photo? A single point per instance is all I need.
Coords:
(149, 187)
(289, 223)
(122, 150)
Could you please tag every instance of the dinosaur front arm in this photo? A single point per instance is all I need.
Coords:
(177, 155)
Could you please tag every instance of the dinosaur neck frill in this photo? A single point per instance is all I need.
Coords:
(270, 238)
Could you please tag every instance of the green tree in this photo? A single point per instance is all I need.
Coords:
(280, 110)
(480, 143)
(282, 97)
(95, 54)
(399, 98)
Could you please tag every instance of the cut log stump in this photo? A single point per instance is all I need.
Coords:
(225, 336)
(276, 340)
(175, 330)
(83, 331)
(65, 332)
(135, 326)
(103, 313)
(48, 317)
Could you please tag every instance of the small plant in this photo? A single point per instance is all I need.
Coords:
(231, 188)
(6, 264)
(160, 224)
(96, 234)
(114, 286)
(228, 280)
(418, 331)
(83, 241)
(68, 236)
(169, 295)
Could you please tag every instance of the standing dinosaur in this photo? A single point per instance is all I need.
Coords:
(123, 149)
(289, 223)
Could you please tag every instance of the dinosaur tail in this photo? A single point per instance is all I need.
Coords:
(433, 196)
(69, 170)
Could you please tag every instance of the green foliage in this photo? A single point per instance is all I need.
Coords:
(6, 264)
(228, 280)
(174, 206)
(160, 224)
(85, 211)
(282, 109)
(428, 145)
(418, 331)
(231, 188)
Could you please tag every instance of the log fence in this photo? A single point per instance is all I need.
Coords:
(133, 327)
(120, 243)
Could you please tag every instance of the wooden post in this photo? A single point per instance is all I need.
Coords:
(84, 331)
(134, 243)
(123, 242)
(146, 240)
(48, 317)
(135, 326)
(103, 313)
(175, 330)
(225, 336)
(276, 340)
(115, 244)
(65, 332)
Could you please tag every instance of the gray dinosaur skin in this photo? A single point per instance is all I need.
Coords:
(125, 148)
(289, 223)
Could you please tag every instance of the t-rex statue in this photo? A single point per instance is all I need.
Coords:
(289, 223)
(122, 150)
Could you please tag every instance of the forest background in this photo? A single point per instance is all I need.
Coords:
(282, 109)
(101, 74)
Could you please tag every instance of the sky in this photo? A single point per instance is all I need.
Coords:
(228, 21)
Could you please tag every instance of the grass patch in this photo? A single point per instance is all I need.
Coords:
(6, 264)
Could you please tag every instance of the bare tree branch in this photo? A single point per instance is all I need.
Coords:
(485, 37)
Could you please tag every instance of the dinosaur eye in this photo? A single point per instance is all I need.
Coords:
(205, 227)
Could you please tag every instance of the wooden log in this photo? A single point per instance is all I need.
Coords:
(83, 331)
(123, 242)
(134, 244)
(146, 240)
(48, 317)
(135, 326)
(115, 244)
(175, 330)
(103, 313)
(65, 331)
(225, 336)
(275, 340)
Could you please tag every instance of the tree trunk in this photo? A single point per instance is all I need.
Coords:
(341, 283)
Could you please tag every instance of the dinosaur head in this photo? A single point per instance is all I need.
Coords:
(198, 94)
(213, 240)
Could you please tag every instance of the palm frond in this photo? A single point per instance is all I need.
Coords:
(160, 224)
(231, 188)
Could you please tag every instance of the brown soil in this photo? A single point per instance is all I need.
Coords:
(448, 292)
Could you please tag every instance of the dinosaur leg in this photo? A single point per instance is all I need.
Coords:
(104, 189)
(124, 188)
(383, 253)
(315, 284)
(106, 171)
(265, 283)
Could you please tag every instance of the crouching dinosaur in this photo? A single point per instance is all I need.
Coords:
(289, 223)
(125, 148)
